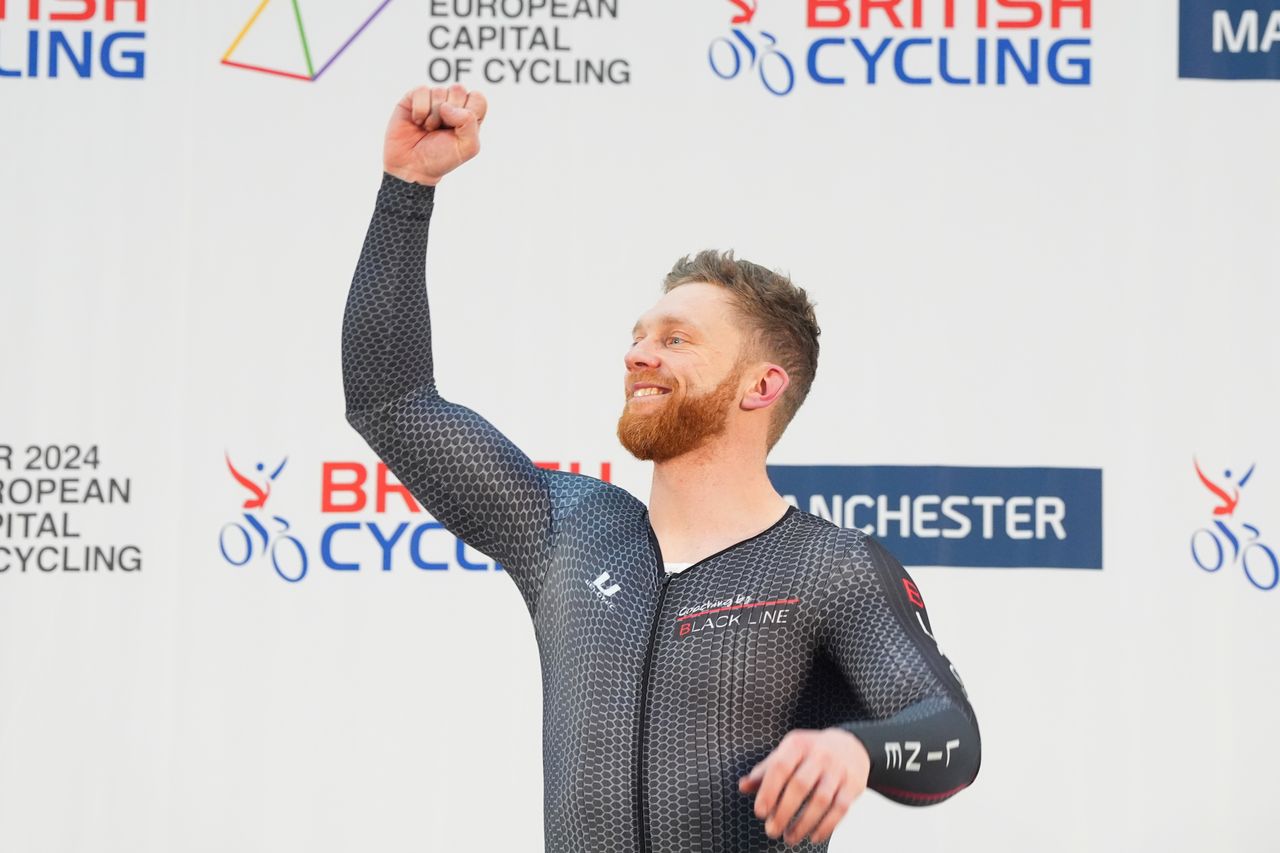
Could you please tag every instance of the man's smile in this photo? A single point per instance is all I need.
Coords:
(642, 390)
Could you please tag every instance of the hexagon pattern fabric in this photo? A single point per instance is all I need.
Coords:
(660, 691)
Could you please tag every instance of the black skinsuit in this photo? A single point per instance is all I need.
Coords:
(659, 691)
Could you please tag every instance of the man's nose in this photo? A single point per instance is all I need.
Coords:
(642, 356)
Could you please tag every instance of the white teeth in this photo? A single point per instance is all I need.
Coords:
(646, 392)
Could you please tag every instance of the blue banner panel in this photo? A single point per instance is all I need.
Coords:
(937, 515)
(1229, 39)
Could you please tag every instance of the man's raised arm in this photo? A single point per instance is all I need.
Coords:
(465, 472)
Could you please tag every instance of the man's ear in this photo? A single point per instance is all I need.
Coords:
(771, 381)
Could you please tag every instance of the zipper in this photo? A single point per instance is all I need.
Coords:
(641, 817)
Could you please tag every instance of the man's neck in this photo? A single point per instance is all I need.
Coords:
(708, 499)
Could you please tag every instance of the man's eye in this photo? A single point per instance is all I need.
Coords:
(676, 338)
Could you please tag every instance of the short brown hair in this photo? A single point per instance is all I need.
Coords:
(778, 314)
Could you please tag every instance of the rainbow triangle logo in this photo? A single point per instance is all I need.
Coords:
(276, 41)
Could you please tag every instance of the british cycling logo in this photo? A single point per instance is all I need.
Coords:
(274, 40)
(944, 47)
(238, 541)
(1216, 546)
(369, 530)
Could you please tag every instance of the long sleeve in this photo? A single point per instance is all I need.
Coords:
(917, 724)
(467, 474)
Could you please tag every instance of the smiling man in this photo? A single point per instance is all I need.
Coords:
(721, 671)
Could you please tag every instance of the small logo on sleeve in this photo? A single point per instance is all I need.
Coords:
(913, 593)
(895, 752)
(914, 596)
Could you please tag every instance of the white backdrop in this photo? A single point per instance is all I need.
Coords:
(1010, 275)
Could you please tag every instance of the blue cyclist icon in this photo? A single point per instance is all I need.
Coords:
(726, 55)
(1209, 544)
(288, 557)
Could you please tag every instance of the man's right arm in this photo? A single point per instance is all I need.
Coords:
(459, 466)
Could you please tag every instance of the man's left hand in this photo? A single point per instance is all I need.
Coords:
(829, 766)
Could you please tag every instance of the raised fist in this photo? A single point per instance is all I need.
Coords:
(432, 132)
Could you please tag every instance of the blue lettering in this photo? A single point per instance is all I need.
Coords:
(1081, 63)
(900, 67)
(83, 63)
(77, 50)
(942, 65)
(138, 59)
(812, 62)
(387, 543)
(326, 549)
(871, 58)
(1006, 50)
(415, 547)
(8, 72)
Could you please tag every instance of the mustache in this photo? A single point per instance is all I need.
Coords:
(657, 379)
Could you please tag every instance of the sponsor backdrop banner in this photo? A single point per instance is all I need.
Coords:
(1041, 240)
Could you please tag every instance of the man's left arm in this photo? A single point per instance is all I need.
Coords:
(917, 742)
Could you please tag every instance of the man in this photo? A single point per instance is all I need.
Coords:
(738, 703)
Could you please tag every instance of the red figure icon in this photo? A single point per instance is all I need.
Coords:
(748, 8)
(260, 493)
(1229, 501)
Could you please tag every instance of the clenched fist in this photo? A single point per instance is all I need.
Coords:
(432, 132)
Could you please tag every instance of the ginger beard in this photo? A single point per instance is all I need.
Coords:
(681, 423)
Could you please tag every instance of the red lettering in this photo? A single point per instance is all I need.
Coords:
(886, 5)
(1085, 7)
(87, 8)
(33, 10)
(913, 593)
(329, 487)
(839, 7)
(83, 10)
(1031, 6)
(685, 628)
(384, 488)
